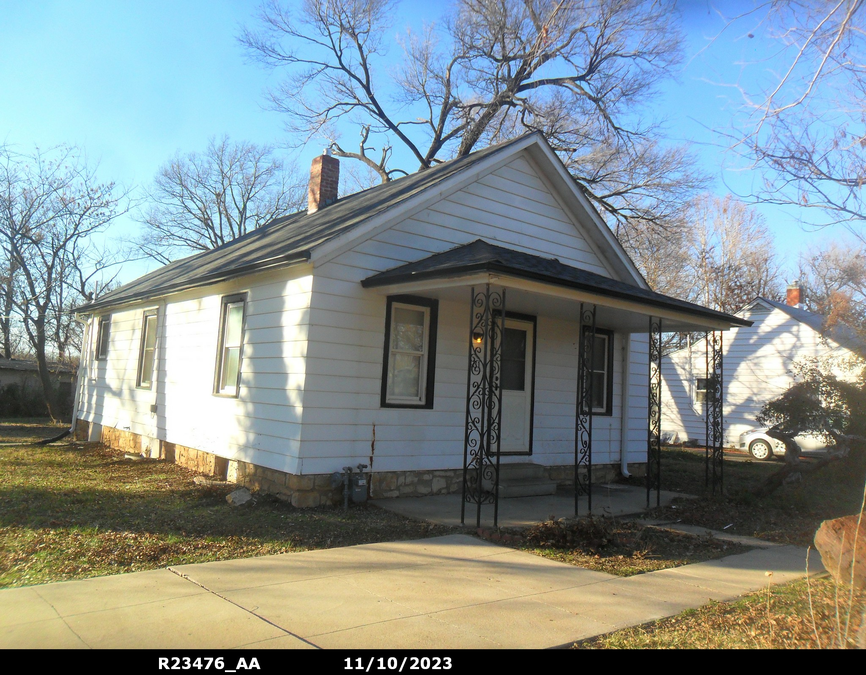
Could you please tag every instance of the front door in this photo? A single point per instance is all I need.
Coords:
(517, 385)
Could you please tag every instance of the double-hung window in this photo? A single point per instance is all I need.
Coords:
(231, 339)
(410, 352)
(102, 335)
(147, 352)
(704, 390)
(602, 372)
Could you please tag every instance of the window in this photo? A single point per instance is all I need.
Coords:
(231, 338)
(102, 335)
(148, 349)
(602, 372)
(410, 352)
(703, 390)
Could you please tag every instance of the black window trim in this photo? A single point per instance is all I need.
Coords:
(138, 379)
(433, 305)
(102, 340)
(608, 404)
(225, 301)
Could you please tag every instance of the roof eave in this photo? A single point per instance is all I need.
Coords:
(217, 277)
(493, 267)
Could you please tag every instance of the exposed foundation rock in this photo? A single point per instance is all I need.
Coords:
(239, 497)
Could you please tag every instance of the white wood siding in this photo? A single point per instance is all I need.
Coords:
(512, 207)
(757, 368)
(263, 424)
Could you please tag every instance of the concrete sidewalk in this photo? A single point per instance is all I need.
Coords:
(447, 593)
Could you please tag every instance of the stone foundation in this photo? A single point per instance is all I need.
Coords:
(313, 490)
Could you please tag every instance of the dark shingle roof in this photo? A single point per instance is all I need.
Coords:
(481, 256)
(286, 240)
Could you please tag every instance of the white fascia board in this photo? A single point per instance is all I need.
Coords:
(634, 306)
(408, 288)
(331, 248)
(541, 288)
(600, 235)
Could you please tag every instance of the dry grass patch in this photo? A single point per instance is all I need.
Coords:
(781, 617)
(72, 510)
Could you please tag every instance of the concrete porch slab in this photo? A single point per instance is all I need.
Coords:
(607, 500)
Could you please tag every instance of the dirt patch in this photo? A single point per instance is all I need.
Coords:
(31, 431)
(614, 546)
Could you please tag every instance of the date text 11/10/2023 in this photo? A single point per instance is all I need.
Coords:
(393, 663)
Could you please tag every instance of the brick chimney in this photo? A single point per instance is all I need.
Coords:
(324, 182)
(795, 296)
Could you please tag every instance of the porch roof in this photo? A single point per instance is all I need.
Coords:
(471, 263)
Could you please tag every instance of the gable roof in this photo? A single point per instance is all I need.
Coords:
(291, 239)
(840, 333)
(481, 256)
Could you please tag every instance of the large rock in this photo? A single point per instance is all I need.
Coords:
(239, 497)
(842, 547)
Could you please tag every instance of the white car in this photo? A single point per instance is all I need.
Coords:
(761, 446)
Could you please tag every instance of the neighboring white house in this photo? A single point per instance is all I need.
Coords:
(340, 335)
(758, 366)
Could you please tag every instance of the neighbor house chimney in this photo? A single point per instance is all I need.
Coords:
(795, 295)
(324, 181)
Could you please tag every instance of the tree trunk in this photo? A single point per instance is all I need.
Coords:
(48, 392)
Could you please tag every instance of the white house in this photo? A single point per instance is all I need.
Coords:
(349, 334)
(758, 366)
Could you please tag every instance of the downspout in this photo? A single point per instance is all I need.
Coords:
(85, 352)
(623, 426)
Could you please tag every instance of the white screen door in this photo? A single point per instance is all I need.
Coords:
(517, 350)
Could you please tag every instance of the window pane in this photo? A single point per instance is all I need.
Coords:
(102, 342)
(234, 325)
(147, 367)
(514, 360)
(599, 353)
(150, 332)
(231, 359)
(599, 395)
(408, 329)
(405, 375)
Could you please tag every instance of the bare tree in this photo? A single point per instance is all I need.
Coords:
(732, 254)
(834, 277)
(203, 200)
(806, 131)
(720, 254)
(51, 205)
(583, 73)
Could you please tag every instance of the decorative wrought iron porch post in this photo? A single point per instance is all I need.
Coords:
(583, 413)
(654, 416)
(714, 416)
(483, 402)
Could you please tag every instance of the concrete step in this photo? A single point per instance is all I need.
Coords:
(521, 471)
(523, 479)
(526, 488)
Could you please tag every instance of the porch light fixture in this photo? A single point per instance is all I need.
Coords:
(477, 338)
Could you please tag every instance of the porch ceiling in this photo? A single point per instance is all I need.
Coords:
(544, 286)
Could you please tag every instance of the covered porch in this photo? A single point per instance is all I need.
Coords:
(601, 340)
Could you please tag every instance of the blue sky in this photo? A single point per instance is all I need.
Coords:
(135, 82)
